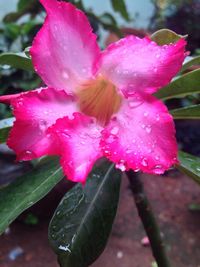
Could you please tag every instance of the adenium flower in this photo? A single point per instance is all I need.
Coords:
(96, 103)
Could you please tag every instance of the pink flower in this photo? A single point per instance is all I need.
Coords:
(95, 103)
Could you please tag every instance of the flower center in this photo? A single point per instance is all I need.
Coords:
(99, 98)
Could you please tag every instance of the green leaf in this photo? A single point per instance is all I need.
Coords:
(191, 112)
(184, 85)
(192, 62)
(165, 36)
(5, 126)
(16, 60)
(27, 190)
(190, 165)
(120, 7)
(82, 222)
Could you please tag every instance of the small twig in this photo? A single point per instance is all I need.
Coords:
(148, 219)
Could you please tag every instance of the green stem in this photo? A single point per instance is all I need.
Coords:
(148, 219)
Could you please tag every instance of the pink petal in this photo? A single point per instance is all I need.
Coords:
(6, 99)
(64, 51)
(79, 145)
(140, 65)
(35, 111)
(141, 137)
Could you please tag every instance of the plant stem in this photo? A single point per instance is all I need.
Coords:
(148, 219)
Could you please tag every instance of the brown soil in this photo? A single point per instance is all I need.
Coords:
(170, 197)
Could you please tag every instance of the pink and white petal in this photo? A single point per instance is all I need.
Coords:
(141, 137)
(65, 51)
(35, 111)
(140, 65)
(79, 145)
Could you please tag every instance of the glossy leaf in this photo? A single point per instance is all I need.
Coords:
(120, 6)
(5, 126)
(191, 112)
(184, 85)
(16, 60)
(190, 165)
(27, 190)
(192, 62)
(166, 36)
(81, 224)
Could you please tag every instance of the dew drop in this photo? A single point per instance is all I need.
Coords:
(121, 166)
(128, 151)
(146, 114)
(148, 129)
(43, 125)
(65, 74)
(144, 162)
(114, 130)
(155, 70)
(158, 169)
(136, 170)
(135, 103)
(82, 142)
(157, 117)
(157, 157)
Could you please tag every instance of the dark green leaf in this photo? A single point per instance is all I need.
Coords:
(83, 220)
(165, 36)
(192, 62)
(194, 207)
(184, 85)
(16, 60)
(190, 165)
(191, 112)
(120, 6)
(27, 190)
(5, 126)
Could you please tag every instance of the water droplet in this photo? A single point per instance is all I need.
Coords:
(136, 170)
(157, 117)
(82, 142)
(157, 55)
(157, 157)
(198, 169)
(158, 169)
(144, 162)
(64, 248)
(43, 125)
(135, 102)
(121, 166)
(155, 70)
(148, 129)
(146, 114)
(111, 139)
(114, 130)
(128, 151)
(65, 74)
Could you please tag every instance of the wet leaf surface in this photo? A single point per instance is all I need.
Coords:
(191, 112)
(27, 190)
(184, 85)
(190, 165)
(81, 225)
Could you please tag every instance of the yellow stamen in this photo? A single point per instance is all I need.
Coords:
(99, 98)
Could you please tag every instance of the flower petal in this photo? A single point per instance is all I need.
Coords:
(79, 145)
(140, 65)
(65, 50)
(35, 111)
(141, 137)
